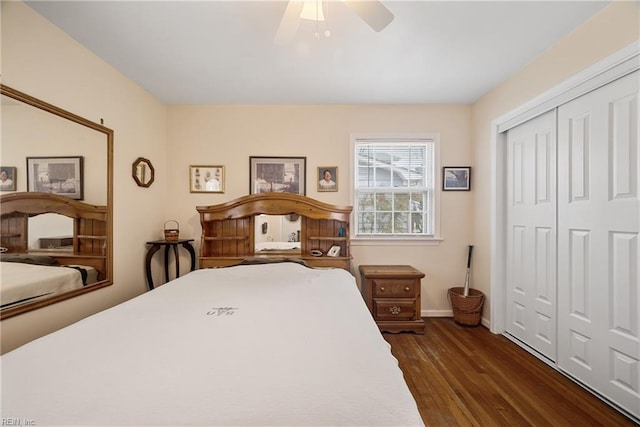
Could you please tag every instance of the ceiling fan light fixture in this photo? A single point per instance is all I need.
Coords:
(312, 10)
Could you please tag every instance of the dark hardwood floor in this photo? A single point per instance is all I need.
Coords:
(467, 376)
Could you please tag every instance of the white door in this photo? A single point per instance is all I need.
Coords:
(531, 234)
(598, 248)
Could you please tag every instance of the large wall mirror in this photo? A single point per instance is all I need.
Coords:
(55, 245)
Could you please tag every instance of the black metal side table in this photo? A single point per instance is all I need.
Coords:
(155, 247)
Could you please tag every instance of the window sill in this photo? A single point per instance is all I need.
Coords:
(396, 241)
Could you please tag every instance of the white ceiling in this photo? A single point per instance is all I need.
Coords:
(223, 52)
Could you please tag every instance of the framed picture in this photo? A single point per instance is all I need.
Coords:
(327, 178)
(206, 179)
(277, 174)
(56, 175)
(456, 178)
(7, 178)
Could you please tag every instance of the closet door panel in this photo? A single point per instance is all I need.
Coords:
(531, 234)
(598, 230)
(624, 148)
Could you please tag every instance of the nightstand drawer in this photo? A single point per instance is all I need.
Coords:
(395, 288)
(394, 309)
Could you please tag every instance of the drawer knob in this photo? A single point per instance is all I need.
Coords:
(381, 288)
(407, 289)
(395, 310)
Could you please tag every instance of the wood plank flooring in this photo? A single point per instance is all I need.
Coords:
(467, 376)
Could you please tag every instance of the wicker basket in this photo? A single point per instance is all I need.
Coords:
(466, 310)
(171, 234)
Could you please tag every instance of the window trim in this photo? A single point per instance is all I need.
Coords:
(434, 239)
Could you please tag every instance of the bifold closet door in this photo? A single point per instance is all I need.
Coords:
(531, 233)
(598, 247)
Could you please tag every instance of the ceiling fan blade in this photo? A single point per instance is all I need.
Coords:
(289, 23)
(372, 12)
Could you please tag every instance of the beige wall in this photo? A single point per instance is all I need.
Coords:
(228, 135)
(39, 59)
(614, 28)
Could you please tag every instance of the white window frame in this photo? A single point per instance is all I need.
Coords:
(405, 138)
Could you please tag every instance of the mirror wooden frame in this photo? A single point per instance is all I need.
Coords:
(108, 133)
(134, 172)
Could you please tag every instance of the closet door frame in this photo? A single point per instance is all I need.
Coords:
(609, 69)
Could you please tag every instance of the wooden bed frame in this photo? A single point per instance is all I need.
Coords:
(90, 238)
(228, 229)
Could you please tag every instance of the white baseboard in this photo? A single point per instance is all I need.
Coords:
(486, 323)
(436, 313)
(449, 313)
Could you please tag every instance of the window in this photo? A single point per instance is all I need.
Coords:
(394, 187)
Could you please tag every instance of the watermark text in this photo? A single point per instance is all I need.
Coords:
(9, 421)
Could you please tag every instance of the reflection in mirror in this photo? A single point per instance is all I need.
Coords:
(143, 172)
(48, 228)
(28, 131)
(50, 231)
(277, 233)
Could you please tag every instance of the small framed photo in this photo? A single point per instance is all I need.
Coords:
(327, 178)
(206, 179)
(7, 178)
(57, 175)
(456, 178)
(277, 174)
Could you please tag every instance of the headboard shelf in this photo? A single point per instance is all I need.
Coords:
(228, 229)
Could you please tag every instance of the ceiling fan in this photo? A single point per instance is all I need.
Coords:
(373, 12)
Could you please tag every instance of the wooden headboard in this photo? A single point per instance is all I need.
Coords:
(228, 229)
(89, 245)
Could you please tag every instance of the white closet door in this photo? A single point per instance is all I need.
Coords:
(598, 248)
(531, 233)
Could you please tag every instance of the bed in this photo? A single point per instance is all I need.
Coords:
(265, 344)
(25, 283)
(30, 278)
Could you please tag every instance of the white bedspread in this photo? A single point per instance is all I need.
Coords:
(277, 344)
(21, 281)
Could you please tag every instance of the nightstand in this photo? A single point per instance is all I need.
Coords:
(392, 294)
